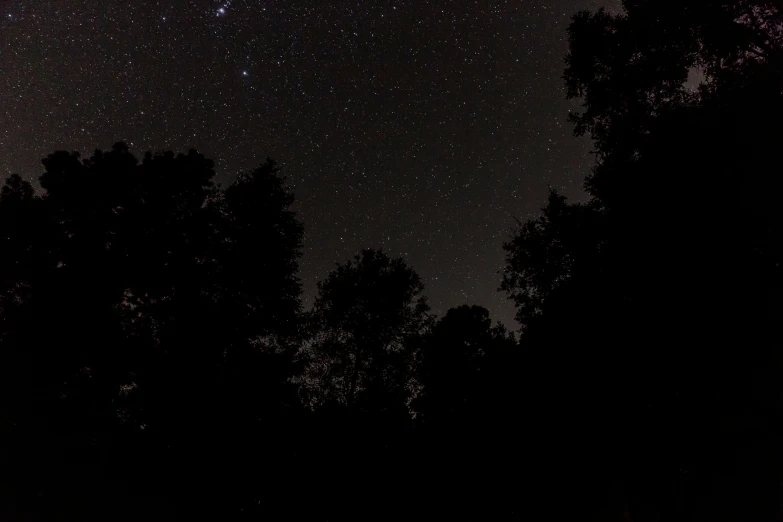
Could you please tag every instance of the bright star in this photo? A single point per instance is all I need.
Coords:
(244, 73)
(221, 11)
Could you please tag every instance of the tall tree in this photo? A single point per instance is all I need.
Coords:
(367, 318)
(358, 374)
(546, 253)
(628, 69)
(259, 248)
(138, 305)
(461, 369)
(674, 281)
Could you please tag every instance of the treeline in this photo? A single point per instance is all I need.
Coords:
(157, 362)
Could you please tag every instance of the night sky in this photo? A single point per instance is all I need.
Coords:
(423, 127)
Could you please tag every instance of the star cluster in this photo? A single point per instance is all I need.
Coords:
(420, 126)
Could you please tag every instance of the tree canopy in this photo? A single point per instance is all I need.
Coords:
(367, 319)
(668, 278)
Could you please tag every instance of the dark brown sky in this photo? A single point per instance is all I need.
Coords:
(418, 126)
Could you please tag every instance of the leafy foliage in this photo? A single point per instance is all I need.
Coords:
(545, 253)
(368, 317)
(666, 284)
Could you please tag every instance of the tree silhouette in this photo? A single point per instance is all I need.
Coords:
(467, 414)
(260, 243)
(358, 375)
(548, 252)
(671, 273)
(630, 68)
(137, 297)
(460, 363)
(367, 318)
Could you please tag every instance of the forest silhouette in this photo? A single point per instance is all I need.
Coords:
(158, 362)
